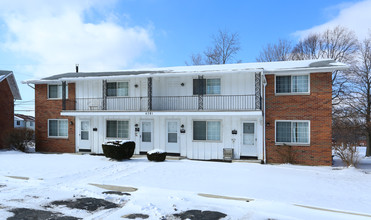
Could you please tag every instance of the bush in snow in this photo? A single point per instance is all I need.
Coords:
(156, 155)
(20, 138)
(287, 154)
(119, 150)
(347, 153)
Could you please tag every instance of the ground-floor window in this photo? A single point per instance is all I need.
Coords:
(206, 130)
(58, 128)
(117, 129)
(292, 132)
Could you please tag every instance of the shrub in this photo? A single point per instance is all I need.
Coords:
(287, 154)
(19, 138)
(156, 155)
(347, 153)
(119, 150)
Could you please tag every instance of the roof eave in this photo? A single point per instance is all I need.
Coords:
(307, 70)
(195, 73)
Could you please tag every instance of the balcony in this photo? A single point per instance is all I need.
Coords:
(168, 103)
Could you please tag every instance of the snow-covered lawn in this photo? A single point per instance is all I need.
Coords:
(169, 187)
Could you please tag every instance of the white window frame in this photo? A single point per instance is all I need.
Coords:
(220, 86)
(58, 119)
(220, 132)
(291, 93)
(206, 94)
(291, 143)
(59, 85)
(116, 88)
(116, 138)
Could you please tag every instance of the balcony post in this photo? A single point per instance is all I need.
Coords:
(149, 93)
(257, 90)
(104, 95)
(64, 95)
(200, 93)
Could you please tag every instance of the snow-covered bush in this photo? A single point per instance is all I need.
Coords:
(157, 155)
(19, 138)
(118, 150)
(347, 153)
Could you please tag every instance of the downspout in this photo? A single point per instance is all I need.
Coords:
(30, 86)
(264, 84)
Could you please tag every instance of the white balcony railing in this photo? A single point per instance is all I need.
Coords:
(169, 103)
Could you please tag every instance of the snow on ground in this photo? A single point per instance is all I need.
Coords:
(172, 186)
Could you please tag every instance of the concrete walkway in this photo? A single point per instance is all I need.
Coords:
(212, 196)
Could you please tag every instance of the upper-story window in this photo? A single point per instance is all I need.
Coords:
(206, 86)
(292, 84)
(117, 89)
(55, 91)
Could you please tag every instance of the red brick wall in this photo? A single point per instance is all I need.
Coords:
(315, 107)
(6, 111)
(51, 109)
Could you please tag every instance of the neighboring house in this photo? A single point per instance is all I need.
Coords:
(193, 111)
(8, 93)
(24, 121)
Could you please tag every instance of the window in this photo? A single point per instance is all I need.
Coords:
(117, 89)
(31, 123)
(292, 132)
(55, 91)
(206, 130)
(58, 127)
(206, 86)
(18, 122)
(117, 129)
(292, 84)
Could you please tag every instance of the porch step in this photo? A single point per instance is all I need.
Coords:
(167, 157)
(246, 161)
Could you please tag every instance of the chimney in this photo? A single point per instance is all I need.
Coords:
(77, 68)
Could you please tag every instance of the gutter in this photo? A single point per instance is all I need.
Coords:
(145, 75)
(30, 86)
(307, 70)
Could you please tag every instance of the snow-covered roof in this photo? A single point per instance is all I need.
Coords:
(8, 75)
(324, 65)
(25, 117)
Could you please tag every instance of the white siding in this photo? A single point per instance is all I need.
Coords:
(236, 84)
(203, 150)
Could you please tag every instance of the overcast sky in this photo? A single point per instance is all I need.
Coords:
(40, 38)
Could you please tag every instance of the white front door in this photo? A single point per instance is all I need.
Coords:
(248, 147)
(172, 136)
(84, 135)
(146, 139)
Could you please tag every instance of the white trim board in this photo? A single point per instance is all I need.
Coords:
(110, 113)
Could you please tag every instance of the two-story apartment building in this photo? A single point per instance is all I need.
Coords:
(24, 121)
(192, 111)
(9, 92)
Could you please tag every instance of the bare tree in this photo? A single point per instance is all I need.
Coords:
(225, 47)
(360, 96)
(308, 48)
(339, 44)
(280, 51)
